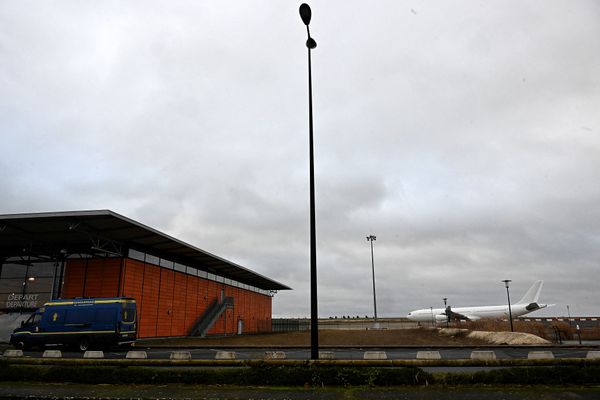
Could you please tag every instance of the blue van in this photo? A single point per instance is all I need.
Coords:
(82, 322)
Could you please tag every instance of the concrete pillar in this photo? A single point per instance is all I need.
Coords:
(93, 354)
(52, 354)
(136, 354)
(181, 355)
(274, 355)
(593, 354)
(225, 355)
(13, 353)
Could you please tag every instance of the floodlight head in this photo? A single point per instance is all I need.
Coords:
(305, 13)
(506, 282)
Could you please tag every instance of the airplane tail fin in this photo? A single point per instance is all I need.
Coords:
(532, 295)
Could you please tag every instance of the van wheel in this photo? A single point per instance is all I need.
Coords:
(20, 346)
(83, 344)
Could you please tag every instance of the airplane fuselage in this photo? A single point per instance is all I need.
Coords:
(472, 313)
(528, 303)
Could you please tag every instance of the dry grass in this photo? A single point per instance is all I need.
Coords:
(546, 331)
(328, 337)
(535, 328)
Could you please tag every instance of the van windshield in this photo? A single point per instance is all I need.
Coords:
(34, 319)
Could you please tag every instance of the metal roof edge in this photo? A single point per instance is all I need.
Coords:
(53, 214)
(106, 212)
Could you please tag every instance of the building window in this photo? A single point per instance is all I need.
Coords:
(150, 259)
(136, 255)
(25, 287)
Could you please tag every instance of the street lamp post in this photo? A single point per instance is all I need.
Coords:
(371, 238)
(509, 310)
(305, 14)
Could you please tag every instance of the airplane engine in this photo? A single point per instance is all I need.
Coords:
(440, 318)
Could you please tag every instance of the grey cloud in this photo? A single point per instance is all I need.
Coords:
(463, 135)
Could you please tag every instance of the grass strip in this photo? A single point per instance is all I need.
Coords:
(267, 374)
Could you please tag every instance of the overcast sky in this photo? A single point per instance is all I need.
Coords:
(465, 135)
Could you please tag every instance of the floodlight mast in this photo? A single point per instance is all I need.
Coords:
(305, 14)
(371, 238)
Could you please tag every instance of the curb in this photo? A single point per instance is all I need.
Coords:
(286, 362)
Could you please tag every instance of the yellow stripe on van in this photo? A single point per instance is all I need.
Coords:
(70, 303)
(66, 333)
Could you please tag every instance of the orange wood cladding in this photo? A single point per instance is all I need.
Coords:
(169, 302)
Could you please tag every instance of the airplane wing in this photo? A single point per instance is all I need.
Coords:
(536, 306)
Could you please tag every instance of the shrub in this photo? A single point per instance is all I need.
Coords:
(557, 375)
(262, 374)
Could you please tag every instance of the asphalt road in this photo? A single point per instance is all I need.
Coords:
(339, 353)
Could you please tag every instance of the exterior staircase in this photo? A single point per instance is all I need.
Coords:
(210, 316)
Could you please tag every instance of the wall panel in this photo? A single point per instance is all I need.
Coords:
(73, 279)
(149, 313)
(164, 297)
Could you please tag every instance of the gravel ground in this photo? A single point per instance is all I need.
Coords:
(332, 337)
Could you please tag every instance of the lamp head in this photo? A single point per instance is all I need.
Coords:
(305, 13)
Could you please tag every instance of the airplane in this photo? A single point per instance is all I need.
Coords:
(527, 304)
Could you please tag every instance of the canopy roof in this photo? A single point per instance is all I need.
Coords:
(101, 232)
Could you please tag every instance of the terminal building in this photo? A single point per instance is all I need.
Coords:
(180, 289)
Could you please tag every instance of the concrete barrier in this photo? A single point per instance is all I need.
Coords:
(181, 355)
(483, 355)
(136, 354)
(593, 354)
(52, 354)
(540, 355)
(93, 354)
(13, 353)
(429, 355)
(225, 355)
(274, 355)
(326, 355)
(375, 355)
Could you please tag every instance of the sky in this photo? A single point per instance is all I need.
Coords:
(465, 135)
